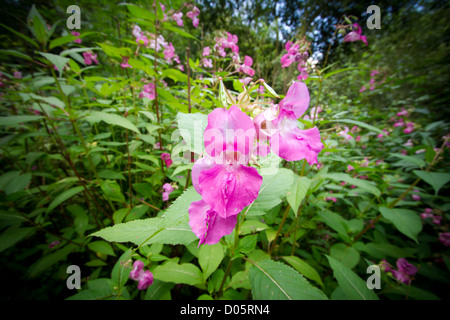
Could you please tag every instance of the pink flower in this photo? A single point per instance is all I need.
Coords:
(169, 52)
(260, 90)
(54, 243)
(142, 40)
(355, 35)
(124, 63)
(17, 75)
(166, 158)
(278, 124)
(207, 63)
(344, 133)
(400, 276)
(222, 177)
(286, 60)
(362, 89)
(303, 72)
(178, 18)
(385, 266)
(374, 73)
(245, 80)
(358, 138)
(444, 238)
(167, 191)
(193, 16)
(89, 58)
(206, 51)
(350, 168)
(148, 91)
(145, 278)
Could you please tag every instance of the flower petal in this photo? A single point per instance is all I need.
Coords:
(207, 225)
(296, 99)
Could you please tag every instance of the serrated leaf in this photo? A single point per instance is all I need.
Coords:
(171, 228)
(365, 185)
(58, 61)
(272, 280)
(351, 284)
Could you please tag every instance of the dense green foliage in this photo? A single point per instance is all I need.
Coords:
(82, 177)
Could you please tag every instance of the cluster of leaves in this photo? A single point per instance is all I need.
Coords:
(82, 178)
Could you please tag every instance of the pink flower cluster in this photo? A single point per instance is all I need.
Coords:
(166, 158)
(297, 52)
(228, 42)
(144, 278)
(404, 272)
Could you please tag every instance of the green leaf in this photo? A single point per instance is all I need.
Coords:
(102, 247)
(39, 30)
(329, 74)
(63, 197)
(417, 162)
(139, 12)
(272, 280)
(113, 119)
(304, 268)
(336, 222)
(436, 179)
(158, 290)
(171, 228)
(61, 40)
(179, 31)
(29, 40)
(174, 74)
(353, 286)
(297, 192)
(58, 61)
(210, 257)
(11, 236)
(349, 256)
(248, 244)
(406, 221)
(358, 123)
(186, 273)
(365, 185)
(14, 181)
(47, 261)
(192, 126)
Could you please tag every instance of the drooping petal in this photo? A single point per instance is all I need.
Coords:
(228, 188)
(292, 144)
(207, 225)
(296, 99)
(228, 130)
(145, 280)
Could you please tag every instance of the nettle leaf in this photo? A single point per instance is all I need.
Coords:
(186, 273)
(351, 284)
(192, 126)
(272, 280)
(171, 228)
(365, 185)
(113, 119)
(406, 221)
(210, 257)
(436, 179)
(304, 268)
(297, 193)
(273, 189)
